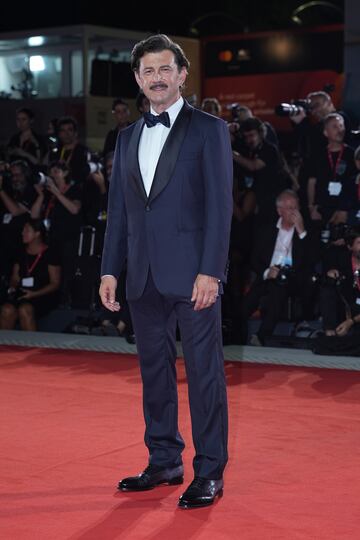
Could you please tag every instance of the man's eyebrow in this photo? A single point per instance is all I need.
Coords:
(151, 67)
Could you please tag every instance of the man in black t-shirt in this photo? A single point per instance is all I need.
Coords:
(71, 151)
(261, 164)
(334, 172)
(121, 112)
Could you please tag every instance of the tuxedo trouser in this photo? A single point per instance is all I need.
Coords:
(154, 317)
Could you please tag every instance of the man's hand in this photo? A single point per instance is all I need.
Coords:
(298, 118)
(298, 221)
(273, 272)
(340, 216)
(99, 180)
(205, 291)
(27, 295)
(314, 214)
(39, 188)
(344, 327)
(52, 187)
(107, 293)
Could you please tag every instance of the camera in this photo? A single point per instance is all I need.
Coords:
(14, 294)
(334, 281)
(293, 109)
(95, 164)
(355, 135)
(40, 178)
(336, 232)
(284, 274)
(234, 111)
(52, 143)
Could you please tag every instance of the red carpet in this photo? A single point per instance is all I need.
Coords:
(71, 426)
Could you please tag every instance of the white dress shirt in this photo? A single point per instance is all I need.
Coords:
(282, 254)
(151, 144)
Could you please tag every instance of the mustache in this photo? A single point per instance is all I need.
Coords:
(155, 86)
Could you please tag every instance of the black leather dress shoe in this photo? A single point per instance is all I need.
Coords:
(201, 492)
(151, 477)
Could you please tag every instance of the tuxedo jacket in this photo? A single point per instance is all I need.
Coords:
(183, 227)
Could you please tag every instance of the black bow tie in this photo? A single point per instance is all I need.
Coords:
(151, 119)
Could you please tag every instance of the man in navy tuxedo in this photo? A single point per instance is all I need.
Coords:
(169, 214)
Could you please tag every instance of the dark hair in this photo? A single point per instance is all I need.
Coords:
(253, 123)
(60, 164)
(23, 165)
(212, 101)
(109, 155)
(157, 43)
(67, 120)
(118, 101)
(139, 100)
(38, 226)
(25, 110)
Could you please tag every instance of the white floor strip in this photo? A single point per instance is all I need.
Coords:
(234, 353)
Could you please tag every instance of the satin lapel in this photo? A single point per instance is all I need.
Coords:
(170, 151)
(133, 166)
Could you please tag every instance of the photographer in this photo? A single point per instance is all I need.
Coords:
(261, 166)
(334, 175)
(307, 118)
(211, 106)
(340, 292)
(281, 260)
(352, 193)
(59, 204)
(26, 144)
(308, 123)
(70, 150)
(121, 113)
(240, 113)
(95, 195)
(34, 282)
(16, 197)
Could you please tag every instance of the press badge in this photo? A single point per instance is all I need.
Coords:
(7, 218)
(249, 181)
(27, 281)
(335, 188)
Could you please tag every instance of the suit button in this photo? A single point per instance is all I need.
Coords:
(147, 208)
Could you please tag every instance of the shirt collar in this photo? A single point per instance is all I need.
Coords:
(173, 110)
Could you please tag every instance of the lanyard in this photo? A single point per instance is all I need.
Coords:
(49, 207)
(31, 268)
(62, 155)
(356, 272)
(334, 167)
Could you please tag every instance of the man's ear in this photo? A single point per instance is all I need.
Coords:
(138, 80)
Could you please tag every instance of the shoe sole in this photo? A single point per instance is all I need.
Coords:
(173, 482)
(185, 506)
